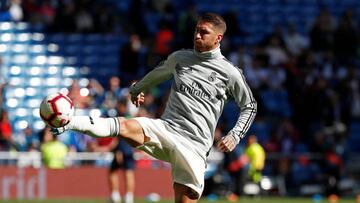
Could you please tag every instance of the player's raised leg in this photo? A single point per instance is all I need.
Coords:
(128, 129)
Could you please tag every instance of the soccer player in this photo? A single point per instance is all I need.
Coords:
(256, 154)
(203, 80)
(123, 159)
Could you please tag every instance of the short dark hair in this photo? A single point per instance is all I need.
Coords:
(214, 19)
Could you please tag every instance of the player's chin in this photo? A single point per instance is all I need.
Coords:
(198, 46)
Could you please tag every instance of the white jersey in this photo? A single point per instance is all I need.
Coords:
(202, 83)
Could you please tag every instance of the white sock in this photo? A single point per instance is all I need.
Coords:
(95, 126)
(129, 197)
(115, 196)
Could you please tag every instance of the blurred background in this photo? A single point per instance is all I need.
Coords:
(300, 58)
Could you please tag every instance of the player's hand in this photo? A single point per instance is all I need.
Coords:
(138, 100)
(227, 143)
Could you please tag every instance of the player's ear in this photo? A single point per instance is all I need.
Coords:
(219, 38)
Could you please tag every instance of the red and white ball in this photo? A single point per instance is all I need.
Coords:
(56, 110)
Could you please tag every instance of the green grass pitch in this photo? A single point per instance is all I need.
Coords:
(240, 200)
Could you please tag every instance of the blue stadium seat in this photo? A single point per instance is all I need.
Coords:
(123, 5)
(94, 39)
(70, 71)
(7, 27)
(93, 50)
(92, 61)
(309, 2)
(110, 49)
(37, 49)
(20, 59)
(23, 38)
(114, 39)
(56, 38)
(276, 102)
(231, 113)
(73, 39)
(22, 27)
(6, 38)
(152, 21)
(13, 103)
(261, 129)
(73, 49)
(353, 140)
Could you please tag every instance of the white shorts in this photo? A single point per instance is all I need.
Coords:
(188, 167)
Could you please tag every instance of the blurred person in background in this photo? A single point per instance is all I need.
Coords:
(203, 81)
(96, 92)
(333, 170)
(65, 17)
(113, 95)
(52, 150)
(236, 164)
(14, 11)
(137, 22)
(349, 92)
(47, 12)
(346, 41)
(187, 19)
(164, 39)
(295, 42)
(80, 99)
(305, 171)
(84, 21)
(322, 32)
(217, 181)
(123, 159)
(27, 140)
(276, 52)
(256, 155)
(5, 131)
(130, 55)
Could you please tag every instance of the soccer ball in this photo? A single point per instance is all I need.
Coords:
(56, 110)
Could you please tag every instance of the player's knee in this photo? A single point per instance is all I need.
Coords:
(185, 191)
(131, 132)
(192, 194)
(125, 127)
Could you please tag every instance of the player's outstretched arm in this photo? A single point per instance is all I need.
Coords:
(159, 74)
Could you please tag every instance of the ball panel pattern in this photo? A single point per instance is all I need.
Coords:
(56, 110)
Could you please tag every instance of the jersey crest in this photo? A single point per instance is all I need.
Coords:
(212, 77)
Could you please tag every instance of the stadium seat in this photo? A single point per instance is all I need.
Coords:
(276, 102)
(261, 129)
(55, 38)
(13, 103)
(353, 140)
(231, 113)
(94, 39)
(152, 20)
(7, 27)
(92, 50)
(74, 39)
(73, 49)
(92, 61)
